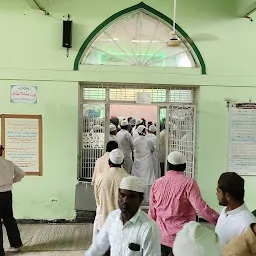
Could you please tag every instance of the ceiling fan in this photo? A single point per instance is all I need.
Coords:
(175, 41)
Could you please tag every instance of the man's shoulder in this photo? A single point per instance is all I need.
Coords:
(247, 217)
(147, 221)
(114, 214)
(3, 160)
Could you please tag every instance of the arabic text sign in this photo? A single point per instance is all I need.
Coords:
(242, 138)
(23, 94)
(22, 143)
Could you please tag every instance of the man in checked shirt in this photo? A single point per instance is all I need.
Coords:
(174, 201)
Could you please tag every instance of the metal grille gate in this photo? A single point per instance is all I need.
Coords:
(178, 104)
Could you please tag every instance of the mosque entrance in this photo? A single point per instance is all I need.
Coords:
(171, 109)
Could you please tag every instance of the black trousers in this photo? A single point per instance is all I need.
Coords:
(166, 251)
(162, 169)
(6, 214)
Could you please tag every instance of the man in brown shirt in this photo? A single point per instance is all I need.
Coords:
(242, 245)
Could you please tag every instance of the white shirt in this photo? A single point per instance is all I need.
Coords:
(135, 133)
(140, 229)
(126, 142)
(9, 174)
(143, 166)
(233, 223)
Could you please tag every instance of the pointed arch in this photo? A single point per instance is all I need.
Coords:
(90, 39)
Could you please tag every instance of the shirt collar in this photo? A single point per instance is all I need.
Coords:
(171, 172)
(237, 210)
(133, 220)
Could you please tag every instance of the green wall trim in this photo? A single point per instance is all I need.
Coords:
(149, 9)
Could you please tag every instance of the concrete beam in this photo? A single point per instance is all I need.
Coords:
(246, 7)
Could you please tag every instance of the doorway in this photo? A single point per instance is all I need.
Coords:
(172, 108)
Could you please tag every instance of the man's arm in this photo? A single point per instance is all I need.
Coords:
(18, 174)
(151, 244)
(152, 210)
(130, 141)
(200, 205)
(101, 244)
(95, 172)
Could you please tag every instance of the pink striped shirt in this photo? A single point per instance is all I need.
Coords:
(174, 201)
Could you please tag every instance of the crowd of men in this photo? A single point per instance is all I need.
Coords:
(122, 178)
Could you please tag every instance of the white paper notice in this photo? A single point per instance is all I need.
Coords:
(143, 98)
(242, 138)
(22, 143)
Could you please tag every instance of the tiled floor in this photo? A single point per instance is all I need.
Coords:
(53, 239)
(56, 239)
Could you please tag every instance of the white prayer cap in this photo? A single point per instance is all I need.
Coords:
(138, 121)
(196, 240)
(133, 183)
(124, 122)
(152, 128)
(116, 156)
(141, 128)
(112, 128)
(176, 158)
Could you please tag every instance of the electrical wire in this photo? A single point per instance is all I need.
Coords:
(45, 11)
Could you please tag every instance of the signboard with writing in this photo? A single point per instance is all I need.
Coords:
(23, 94)
(21, 136)
(242, 138)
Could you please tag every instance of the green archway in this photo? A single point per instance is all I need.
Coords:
(149, 9)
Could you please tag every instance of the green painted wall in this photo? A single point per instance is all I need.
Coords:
(31, 54)
(52, 195)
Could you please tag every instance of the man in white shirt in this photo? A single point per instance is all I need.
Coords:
(143, 166)
(126, 145)
(9, 174)
(152, 136)
(112, 134)
(128, 231)
(101, 166)
(235, 217)
(135, 129)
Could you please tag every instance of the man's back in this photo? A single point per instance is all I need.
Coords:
(107, 190)
(101, 165)
(174, 200)
(126, 141)
(9, 174)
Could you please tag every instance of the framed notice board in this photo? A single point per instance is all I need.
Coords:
(21, 136)
(242, 138)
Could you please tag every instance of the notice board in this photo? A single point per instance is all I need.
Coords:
(21, 136)
(242, 138)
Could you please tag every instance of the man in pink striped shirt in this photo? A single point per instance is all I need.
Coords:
(174, 201)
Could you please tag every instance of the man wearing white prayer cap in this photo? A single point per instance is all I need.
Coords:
(112, 134)
(174, 200)
(106, 191)
(128, 231)
(126, 145)
(143, 166)
(196, 240)
(101, 166)
(135, 129)
(152, 136)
